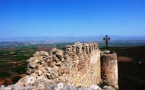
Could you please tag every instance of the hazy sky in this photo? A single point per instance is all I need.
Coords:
(23, 18)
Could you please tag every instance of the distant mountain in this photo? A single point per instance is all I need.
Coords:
(72, 39)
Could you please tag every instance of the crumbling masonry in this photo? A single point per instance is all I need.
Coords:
(80, 65)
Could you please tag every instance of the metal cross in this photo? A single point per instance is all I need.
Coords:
(106, 39)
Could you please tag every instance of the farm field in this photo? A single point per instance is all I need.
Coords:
(13, 61)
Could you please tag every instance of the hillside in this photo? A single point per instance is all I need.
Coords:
(131, 67)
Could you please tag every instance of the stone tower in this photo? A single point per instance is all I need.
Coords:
(109, 69)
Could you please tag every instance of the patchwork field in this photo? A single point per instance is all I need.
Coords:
(13, 62)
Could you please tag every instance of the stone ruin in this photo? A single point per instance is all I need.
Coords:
(80, 67)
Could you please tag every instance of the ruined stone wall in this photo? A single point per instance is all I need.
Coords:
(79, 65)
(86, 58)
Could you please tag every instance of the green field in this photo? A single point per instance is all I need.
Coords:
(10, 58)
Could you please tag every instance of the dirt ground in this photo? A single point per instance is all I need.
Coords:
(131, 75)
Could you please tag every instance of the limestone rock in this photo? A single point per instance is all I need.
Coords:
(2, 87)
(108, 88)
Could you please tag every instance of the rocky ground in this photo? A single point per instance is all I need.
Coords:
(58, 86)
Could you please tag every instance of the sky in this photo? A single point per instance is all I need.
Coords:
(78, 18)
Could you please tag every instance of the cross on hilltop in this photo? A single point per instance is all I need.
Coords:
(106, 39)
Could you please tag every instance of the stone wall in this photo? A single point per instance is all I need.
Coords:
(86, 58)
(78, 66)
